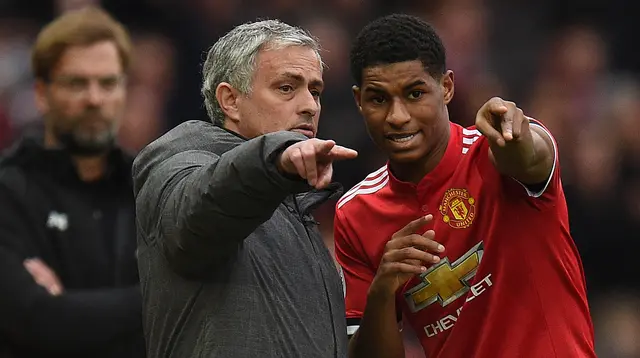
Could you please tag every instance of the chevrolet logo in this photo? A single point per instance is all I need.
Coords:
(445, 282)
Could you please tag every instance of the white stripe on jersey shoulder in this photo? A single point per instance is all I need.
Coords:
(470, 132)
(371, 178)
(469, 136)
(371, 184)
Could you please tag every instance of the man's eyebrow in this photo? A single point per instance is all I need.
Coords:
(414, 83)
(374, 89)
(299, 78)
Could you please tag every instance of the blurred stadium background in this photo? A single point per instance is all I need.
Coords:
(572, 64)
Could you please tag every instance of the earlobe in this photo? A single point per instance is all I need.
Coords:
(356, 97)
(227, 97)
(448, 86)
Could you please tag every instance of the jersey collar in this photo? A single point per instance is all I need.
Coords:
(440, 173)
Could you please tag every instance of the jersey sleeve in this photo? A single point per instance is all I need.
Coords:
(358, 274)
(539, 194)
(553, 181)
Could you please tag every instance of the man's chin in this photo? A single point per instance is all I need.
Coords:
(86, 148)
(404, 156)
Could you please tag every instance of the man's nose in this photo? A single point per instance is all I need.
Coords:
(398, 114)
(95, 94)
(309, 104)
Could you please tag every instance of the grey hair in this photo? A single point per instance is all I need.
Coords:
(232, 58)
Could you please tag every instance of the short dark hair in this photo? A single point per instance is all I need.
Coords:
(397, 38)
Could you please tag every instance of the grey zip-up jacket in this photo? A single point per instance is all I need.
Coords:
(231, 262)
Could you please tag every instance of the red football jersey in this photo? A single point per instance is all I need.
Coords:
(510, 282)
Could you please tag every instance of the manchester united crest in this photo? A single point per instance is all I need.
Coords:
(458, 208)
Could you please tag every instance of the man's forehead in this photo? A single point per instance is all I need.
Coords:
(401, 73)
(101, 59)
(298, 75)
(298, 57)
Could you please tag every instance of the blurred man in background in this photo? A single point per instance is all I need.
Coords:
(232, 263)
(68, 277)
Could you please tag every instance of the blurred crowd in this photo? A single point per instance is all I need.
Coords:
(566, 63)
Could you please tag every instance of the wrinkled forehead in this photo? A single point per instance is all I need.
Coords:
(299, 63)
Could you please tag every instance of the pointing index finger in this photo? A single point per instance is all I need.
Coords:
(507, 126)
(339, 152)
(323, 146)
(413, 226)
(486, 128)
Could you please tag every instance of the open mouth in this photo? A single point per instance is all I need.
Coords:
(401, 137)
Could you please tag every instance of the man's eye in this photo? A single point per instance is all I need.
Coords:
(415, 94)
(286, 88)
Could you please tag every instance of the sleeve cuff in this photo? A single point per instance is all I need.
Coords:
(274, 144)
(352, 326)
(540, 190)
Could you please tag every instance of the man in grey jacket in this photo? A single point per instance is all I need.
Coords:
(231, 262)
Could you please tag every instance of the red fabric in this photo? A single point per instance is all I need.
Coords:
(508, 255)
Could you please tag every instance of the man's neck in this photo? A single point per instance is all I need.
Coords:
(90, 168)
(414, 172)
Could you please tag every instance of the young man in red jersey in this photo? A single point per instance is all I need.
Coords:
(465, 230)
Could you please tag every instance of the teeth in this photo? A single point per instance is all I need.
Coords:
(402, 138)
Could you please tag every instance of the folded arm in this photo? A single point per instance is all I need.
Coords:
(72, 321)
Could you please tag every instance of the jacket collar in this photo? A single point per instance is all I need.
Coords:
(30, 154)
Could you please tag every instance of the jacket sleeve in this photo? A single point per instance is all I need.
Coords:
(209, 204)
(74, 321)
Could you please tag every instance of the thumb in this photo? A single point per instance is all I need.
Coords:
(497, 108)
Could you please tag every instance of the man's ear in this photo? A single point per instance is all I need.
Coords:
(227, 97)
(356, 97)
(447, 86)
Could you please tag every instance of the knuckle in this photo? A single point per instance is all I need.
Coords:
(386, 267)
(407, 251)
(294, 154)
(389, 245)
(307, 151)
(394, 266)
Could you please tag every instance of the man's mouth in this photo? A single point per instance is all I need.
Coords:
(306, 130)
(401, 137)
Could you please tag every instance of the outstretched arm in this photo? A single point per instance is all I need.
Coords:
(519, 147)
(208, 204)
